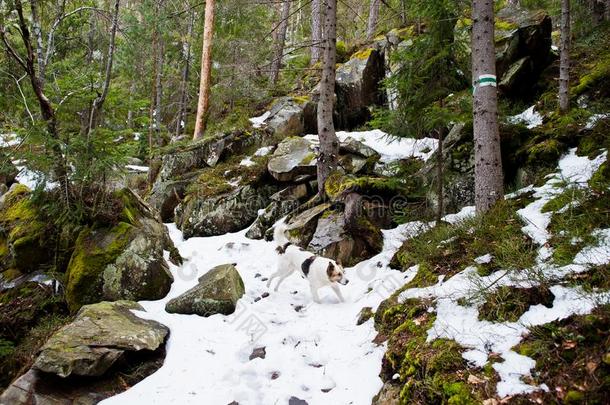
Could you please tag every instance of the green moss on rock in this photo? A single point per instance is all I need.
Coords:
(94, 250)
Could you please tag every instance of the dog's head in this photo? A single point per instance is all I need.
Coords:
(336, 273)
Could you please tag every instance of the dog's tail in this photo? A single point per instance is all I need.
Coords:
(279, 232)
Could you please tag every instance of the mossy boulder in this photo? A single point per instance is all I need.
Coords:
(23, 232)
(124, 261)
(293, 157)
(99, 336)
(216, 293)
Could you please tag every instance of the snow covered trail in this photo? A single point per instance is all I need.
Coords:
(313, 352)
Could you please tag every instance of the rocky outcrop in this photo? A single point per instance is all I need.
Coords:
(282, 203)
(99, 335)
(124, 261)
(216, 293)
(217, 215)
(287, 117)
(166, 195)
(87, 346)
(358, 87)
(183, 159)
(293, 157)
(301, 228)
(333, 239)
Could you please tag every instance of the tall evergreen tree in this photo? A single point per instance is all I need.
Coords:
(329, 144)
(489, 183)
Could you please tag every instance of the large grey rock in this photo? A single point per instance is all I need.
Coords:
(217, 215)
(333, 240)
(358, 87)
(286, 118)
(216, 293)
(293, 157)
(99, 336)
(282, 203)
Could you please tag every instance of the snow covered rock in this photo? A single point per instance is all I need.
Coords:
(97, 338)
(217, 293)
(293, 157)
(217, 215)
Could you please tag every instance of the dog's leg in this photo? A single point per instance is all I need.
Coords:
(274, 275)
(337, 291)
(314, 294)
(282, 278)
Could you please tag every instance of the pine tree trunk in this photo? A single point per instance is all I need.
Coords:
(329, 144)
(181, 119)
(316, 30)
(564, 61)
(488, 163)
(373, 17)
(159, 93)
(439, 175)
(280, 40)
(203, 103)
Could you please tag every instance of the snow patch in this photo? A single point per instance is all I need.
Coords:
(257, 122)
(529, 117)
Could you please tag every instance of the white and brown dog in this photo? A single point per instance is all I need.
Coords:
(319, 271)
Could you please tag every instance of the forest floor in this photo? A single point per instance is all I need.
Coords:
(280, 345)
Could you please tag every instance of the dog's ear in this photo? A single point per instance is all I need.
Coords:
(330, 269)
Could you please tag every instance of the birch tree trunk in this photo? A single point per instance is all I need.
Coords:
(564, 58)
(181, 119)
(316, 30)
(488, 163)
(203, 103)
(36, 28)
(329, 144)
(98, 103)
(280, 40)
(373, 17)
